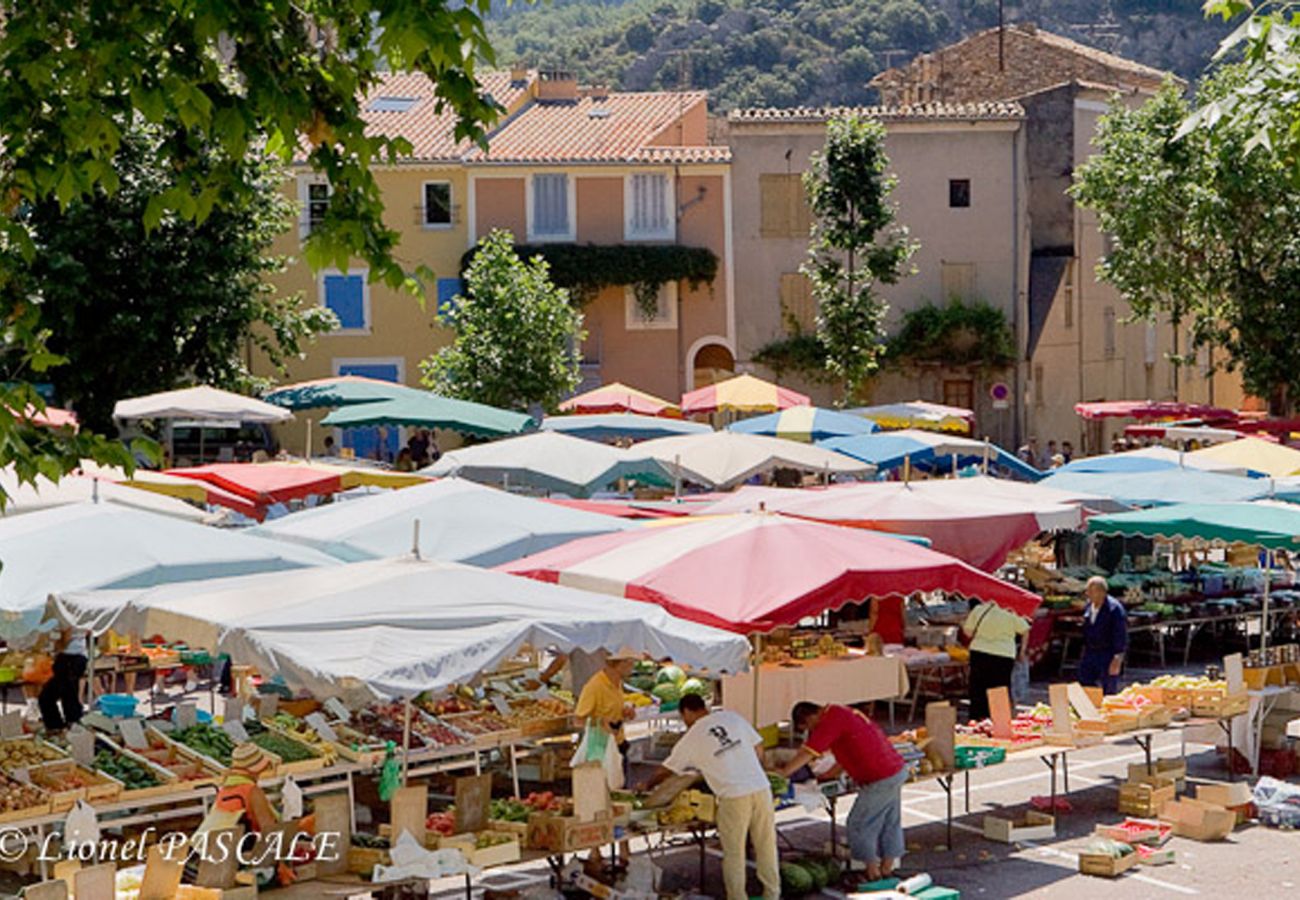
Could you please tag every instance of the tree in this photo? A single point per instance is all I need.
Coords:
(1203, 231)
(137, 310)
(855, 244)
(279, 77)
(517, 334)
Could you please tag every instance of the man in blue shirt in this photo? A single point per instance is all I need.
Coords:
(1105, 638)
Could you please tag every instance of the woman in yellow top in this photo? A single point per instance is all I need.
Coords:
(601, 700)
(992, 631)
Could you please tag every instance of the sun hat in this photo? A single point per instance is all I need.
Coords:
(249, 757)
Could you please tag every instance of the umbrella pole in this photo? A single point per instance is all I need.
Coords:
(907, 468)
(954, 465)
(1268, 581)
(677, 477)
(758, 664)
(308, 453)
(984, 466)
(406, 739)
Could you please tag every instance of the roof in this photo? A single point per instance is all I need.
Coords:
(961, 112)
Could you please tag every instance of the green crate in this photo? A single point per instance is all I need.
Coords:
(978, 757)
(935, 892)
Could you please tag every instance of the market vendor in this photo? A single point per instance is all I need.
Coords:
(1105, 637)
(601, 700)
(239, 797)
(992, 631)
(60, 697)
(728, 752)
(861, 750)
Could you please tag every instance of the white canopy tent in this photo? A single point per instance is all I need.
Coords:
(73, 489)
(205, 403)
(724, 459)
(395, 627)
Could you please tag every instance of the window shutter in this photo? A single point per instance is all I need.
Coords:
(775, 204)
(797, 303)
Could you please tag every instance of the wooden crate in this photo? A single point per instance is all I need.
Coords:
(1106, 866)
(99, 787)
(49, 750)
(362, 860)
(564, 834)
(1146, 800)
(356, 747)
(18, 815)
(189, 767)
(169, 781)
(1156, 716)
(1219, 705)
(297, 767)
(497, 855)
(1032, 826)
(1178, 698)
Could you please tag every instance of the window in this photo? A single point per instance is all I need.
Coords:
(1067, 294)
(550, 208)
(448, 289)
(959, 193)
(784, 207)
(959, 392)
(664, 315)
(649, 204)
(958, 280)
(392, 104)
(314, 197)
(798, 307)
(348, 297)
(1108, 332)
(437, 204)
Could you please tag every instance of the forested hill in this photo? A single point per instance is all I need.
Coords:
(794, 52)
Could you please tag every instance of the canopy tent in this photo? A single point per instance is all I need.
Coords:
(396, 627)
(550, 461)
(1166, 486)
(619, 398)
(1148, 409)
(757, 572)
(927, 451)
(340, 390)
(724, 459)
(918, 414)
(353, 476)
(1148, 459)
(205, 403)
(263, 484)
(744, 393)
(52, 417)
(167, 485)
(1254, 455)
(427, 410)
(805, 423)
(1274, 526)
(1204, 435)
(617, 508)
(618, 426)
(74, 489)
(961, 517)
(458, 521)
(94, 545)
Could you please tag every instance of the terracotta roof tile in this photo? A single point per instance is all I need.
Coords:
(967, 112)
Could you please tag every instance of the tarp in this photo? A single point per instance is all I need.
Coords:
(918, 414)
(396, 626)
(340, 390)
(758, 572)
(1149, 409)
(1148, 459)
(459, 522)
(616, 426)
(428, 410)
(93, 545)
(961, 517)
(1165, 486)
(1255, 455)
(619, 398)
(805, 423)
(744, 393)
(927, 450)
(72, 489)
(205, 403)
(550, 461)
(1272, 525)
(724, 459)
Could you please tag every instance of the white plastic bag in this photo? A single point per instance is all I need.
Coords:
(291, 799)
(81, 826)
(589, 750)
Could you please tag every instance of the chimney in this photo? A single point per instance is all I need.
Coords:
(518, 75)
(597, 92)
(557, 85)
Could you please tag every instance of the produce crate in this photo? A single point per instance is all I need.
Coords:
(1106, 866)
(483, 857)
(1138, 831)
(168, 780)
(1217, 705)
(356, 747)
(546, 727)
(41, 807)
(517, 828)
(187, 766)
(1146, 800)
(1032, 826)
(1162, 768)
(1119, 721)
(297, 767)
(967, 757)
(1155, 716)
(51, 777)
(20, 753)
(479, 741)
(565, 834)
(362, 860)
(1178, 698)
(1155, 856)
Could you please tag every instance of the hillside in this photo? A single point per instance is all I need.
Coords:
(793, 52)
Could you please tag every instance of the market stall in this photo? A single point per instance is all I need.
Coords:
(723, 459)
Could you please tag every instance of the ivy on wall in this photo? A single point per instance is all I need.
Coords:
(958, 334)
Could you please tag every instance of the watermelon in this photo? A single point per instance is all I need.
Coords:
(695, 686)
(795, 879)
(819, 873)
(667, 692)
(673, 674)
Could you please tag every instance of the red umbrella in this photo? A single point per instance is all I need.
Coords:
(1149, 409)
(264, 484)
(760, 571)
(619, 398)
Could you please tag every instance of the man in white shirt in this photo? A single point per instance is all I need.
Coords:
(728, 752)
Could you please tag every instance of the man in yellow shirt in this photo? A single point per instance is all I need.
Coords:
(992, 631)
(601, 703)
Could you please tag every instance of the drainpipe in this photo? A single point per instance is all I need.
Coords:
(1017, 391)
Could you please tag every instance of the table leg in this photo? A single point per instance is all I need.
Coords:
(1226, 725)
(1050, 761)
(1144, 741)
(966, 775)
(699, 836)
(469, 887)
(945, 782)
(834, 828)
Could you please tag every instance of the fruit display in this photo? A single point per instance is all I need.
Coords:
(67, 781)
(1189, 683)
(638, 699)
(23, 753)
(667, 692)
(441, 823)
(532, 710)
(288, 749)
(385, 720)
(485, 839)
(807, 876)
(16, 797)
(375, 724)
(481, 723)
(1108, 847)
(166, 756)
(447, 706)
(300, 731)
(509, 811)
(133, 774)
(208, 740)
(779, 783)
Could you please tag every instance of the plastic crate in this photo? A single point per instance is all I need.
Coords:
(117, 706)
(978, 757)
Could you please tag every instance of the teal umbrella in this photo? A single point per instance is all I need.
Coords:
(612, 426)
(341, 390)
(427, 410)
(1274, 526)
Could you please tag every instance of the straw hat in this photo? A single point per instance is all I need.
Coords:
(250, 758)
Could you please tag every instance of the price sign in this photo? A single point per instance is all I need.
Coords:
(321, 727)
(233, 727)
(500, 703)
(11, 725)
(83, 746)
(234, 710)
(338, 710)
(187, 715)
(268, 705)
(133, 734)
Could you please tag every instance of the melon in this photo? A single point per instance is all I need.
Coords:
(672, 674)
(667, 692)
(795, 879)
(695, 686)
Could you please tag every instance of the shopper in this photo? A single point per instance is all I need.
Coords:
(728, 752)
(860, 748)
(60, 697)
(1105, 638)
(992, 631)
(601, 704)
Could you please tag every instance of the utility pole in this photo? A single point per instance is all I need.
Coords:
(1002, 31)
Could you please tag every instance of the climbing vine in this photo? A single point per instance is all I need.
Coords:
(958, 334)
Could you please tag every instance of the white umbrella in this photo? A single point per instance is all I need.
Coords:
(70, 489)
(724, 459)
(206, 403)
(396, 627)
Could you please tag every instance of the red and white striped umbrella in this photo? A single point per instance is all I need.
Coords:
(756, 572)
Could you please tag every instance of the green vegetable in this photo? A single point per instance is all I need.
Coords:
(667, 692)
(207, 739)
(779, 784)
(818, 872)
(672, 674)
(287, 749)
(508, 811)
(131, 773)
(695, 686)
(795, 879)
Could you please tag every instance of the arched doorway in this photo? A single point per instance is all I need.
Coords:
(711, 363)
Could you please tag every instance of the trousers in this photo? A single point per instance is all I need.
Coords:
(749, 816)
(875, 823)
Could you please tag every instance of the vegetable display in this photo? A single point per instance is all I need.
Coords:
(207, 739)
(15, 797)
(134, 775)
(287, 749)
(22, 754)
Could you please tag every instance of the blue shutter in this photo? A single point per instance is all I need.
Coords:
(345, 296)
(448, 288)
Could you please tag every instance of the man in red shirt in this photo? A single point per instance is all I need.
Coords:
(861, 750)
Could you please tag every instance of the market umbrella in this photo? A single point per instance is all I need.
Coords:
(615, 426)
(1151, 409)
(396, 627)
(550, 461)
(918, 414)
(340, 390)
(1254, 455)
(757, 572)
(619, 398)
(428, 410)
(1166, 486)
(928, 451)
(353, 476)
(21, 498)
(206, 403)
(960, 517)
(744, 393)
(161, 483)
(263, 484)
(723, 459)
(93, 545)
(458, 521)
(1147, 459)
(619, 508)
(805, 423)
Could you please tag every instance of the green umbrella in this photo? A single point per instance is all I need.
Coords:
(341, 390)
(1271, 525)
(432, 411)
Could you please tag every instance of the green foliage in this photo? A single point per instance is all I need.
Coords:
(957, 334)
(855, 244)
(1205, 231)
(136, 310)
(517, 334)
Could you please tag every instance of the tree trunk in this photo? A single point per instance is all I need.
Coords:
(1280, 403)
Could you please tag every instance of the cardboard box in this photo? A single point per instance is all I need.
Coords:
(1033, 826)
(563, 834)
(1234, 796)
(1199, 821)
(485, 857)
(1138, 831)
(1146, 799)
(1106, 866)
